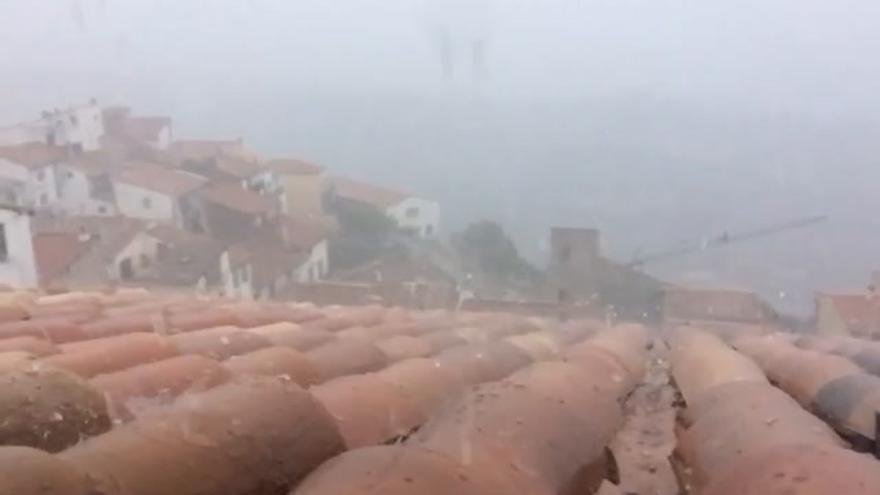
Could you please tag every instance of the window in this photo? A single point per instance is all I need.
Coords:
(147, 202)
(74, 120)
(4, 254)
(44, 199)
(102, 210)
(412, 212)
(144, 261)
(41, 176)
(429, 231)
(69, 174)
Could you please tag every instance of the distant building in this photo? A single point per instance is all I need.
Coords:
(85, 185)
(154, 132)
(201, 150)
(690, 304)
(18, 267)
(181, 259)
(414, 215)
(255, 270)
(27, 174)
(303, 184)
(574, 265)
(857, 315)
(89, 251)
(233, 213)
(152, 192)
(79, 128)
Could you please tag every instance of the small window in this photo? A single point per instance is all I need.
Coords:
(44, 199)
(74, 120)
(147, 202)
(429, 230)
(4, 253)
(69, 174)
(102, 210)
(41, 176)
(412, 212)
(144, 261)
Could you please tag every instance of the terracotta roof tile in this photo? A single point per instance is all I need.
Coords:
(204, 149)
(236, 198)
(364, 192)
(292, 166)
(34, 155)
(55, 253)
(162, 180)
(859, 312)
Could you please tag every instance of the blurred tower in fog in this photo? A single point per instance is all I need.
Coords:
(459, 30)
(574, 264)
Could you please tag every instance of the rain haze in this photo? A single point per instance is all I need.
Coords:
(659, 122)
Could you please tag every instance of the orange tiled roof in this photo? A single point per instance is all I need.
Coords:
(858, 311)
(34, 155)
(235, 197)
(292, 166)
(364, 192)
(161, 179)
(56, 252)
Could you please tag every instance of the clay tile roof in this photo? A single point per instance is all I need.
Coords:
(161, 179)
(364, 192)
(234, 197)
(858, 311)
(146, 129)
(292, 166)
(92, 163)
(202, 149)
(241, 168)
(34, 155)
(56, 252)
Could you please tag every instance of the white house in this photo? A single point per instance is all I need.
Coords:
(418, 216)
(85, 186)
(309, 237)
(80, 127)
(18, 267)
(28, 173)
(153, 192)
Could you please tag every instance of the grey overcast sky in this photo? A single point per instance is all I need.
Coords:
(806, 55)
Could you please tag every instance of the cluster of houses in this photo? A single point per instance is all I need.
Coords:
(93, 195)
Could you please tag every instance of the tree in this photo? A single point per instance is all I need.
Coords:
(485, 248)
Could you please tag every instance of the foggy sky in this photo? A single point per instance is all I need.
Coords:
(658, 121)
(805, 55)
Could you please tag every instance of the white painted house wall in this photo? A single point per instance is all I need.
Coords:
(238, 282)
(82, 125)
(75, 194)
(19, 269)
(136, 202)
(142, 249)
(40, 188)
(416, 214)
(316, 266)
(164, 139)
